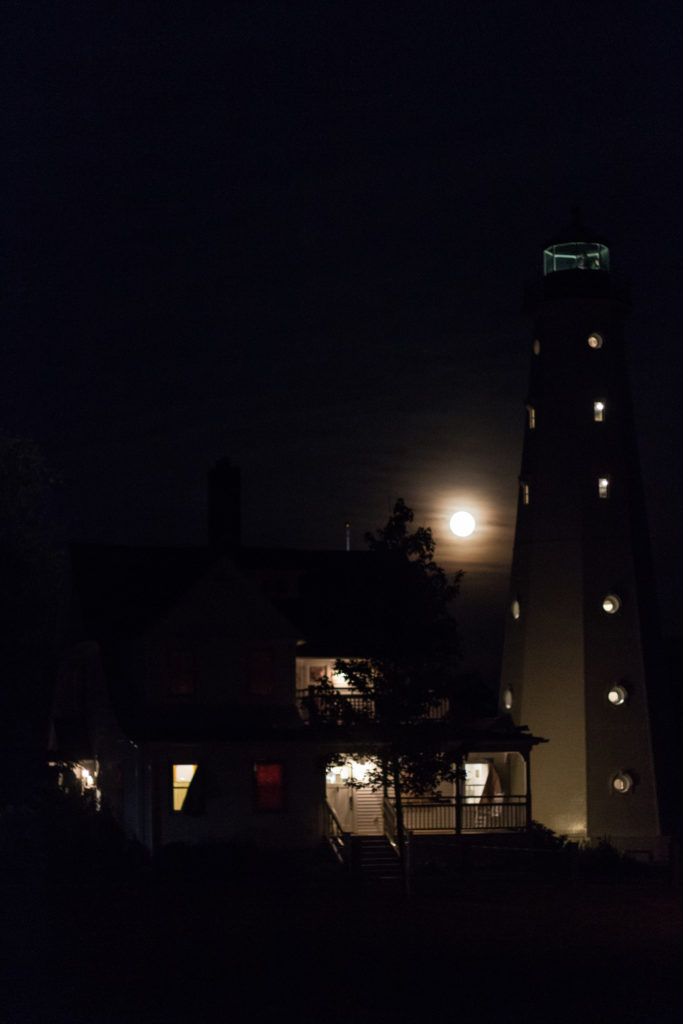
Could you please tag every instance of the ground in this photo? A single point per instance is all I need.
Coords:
(314, 948)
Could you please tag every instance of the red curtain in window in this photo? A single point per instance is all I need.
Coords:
(269, 787)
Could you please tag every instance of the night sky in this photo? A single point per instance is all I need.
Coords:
(296, 234)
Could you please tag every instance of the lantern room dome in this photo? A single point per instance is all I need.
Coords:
(575, 248)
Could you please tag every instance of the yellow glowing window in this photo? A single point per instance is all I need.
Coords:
(531, 417)
(598, 411)
(603, 487)
(515, 609)
(507, 699)
(183, 775)
(526, 494)
(537, 346)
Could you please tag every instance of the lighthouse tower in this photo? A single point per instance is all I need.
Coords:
(581, 621)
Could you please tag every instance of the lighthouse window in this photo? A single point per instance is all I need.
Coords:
(595, 340)
(622, 782)
(598, 411)
(617, 695)
(537, 346)
(526, 494)
(603, 487)
(531, 416)
(507, 699)
(611, 604)
(515, 609)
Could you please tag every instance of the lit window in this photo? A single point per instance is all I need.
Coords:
(270, 794)
(598, 411)
(611, 604)
(515, 609)
(507, 699)
(603, 487)
(622, 782)
(617, 695)
(526, 494)
(183, 775)
(537, 347)
(531, 414)
(595, 340)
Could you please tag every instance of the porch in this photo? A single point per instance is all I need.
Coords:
(490, 795)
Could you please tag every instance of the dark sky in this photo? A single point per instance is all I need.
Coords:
(296, 234)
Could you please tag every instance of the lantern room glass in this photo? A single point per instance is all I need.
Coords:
(575, 256)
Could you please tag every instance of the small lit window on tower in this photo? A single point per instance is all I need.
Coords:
(617, 695)
(537, 346)
(603, 487)
(595, 340)
(525, 492)
(598, 411)
(531, 417)
(611, 604)
(507, 699)
(515, 609)
(622, 782)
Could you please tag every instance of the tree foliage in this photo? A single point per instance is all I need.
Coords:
(401, 695)
(411, 666)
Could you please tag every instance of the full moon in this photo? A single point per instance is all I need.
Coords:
(462, 524)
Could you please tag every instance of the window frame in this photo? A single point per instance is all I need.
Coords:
(262, 803)
(176, 788)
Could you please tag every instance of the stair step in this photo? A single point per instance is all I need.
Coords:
(377, 859)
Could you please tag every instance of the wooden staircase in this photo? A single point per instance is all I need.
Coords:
(367, 813)
(376, 860)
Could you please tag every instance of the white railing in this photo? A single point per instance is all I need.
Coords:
(345, 706)
(504, 813)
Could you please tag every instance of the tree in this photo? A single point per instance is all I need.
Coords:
(410, 670)
(31, 596)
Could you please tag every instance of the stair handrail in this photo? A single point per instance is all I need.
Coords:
(338, 839)
(389, 815)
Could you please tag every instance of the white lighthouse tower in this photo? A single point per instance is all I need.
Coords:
(581, 622)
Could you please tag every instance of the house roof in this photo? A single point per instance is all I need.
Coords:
(331, 599)
(122, 589)
(336, 599)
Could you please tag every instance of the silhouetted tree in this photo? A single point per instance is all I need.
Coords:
(32, 574)
(410, 668)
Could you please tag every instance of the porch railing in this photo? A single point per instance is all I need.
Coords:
(348, 704)
(504, 813)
